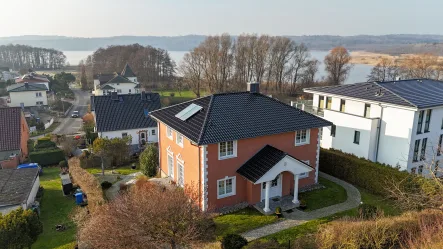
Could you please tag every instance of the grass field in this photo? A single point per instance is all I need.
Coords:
(330, 195)
(241, 221)
(55, 209)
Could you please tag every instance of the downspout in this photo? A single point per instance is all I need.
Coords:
(378, 133)
(199, 178)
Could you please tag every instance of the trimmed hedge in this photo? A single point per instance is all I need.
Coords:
(44, 143)
(360, 172)
(47, 157)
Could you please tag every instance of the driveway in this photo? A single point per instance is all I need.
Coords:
(70, 125)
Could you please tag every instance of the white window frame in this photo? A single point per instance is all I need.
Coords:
(182, 165)
(153, 132)
(178, 135)
(124, 134)
(308, 137)
(170, 155)
(169, 132)
(234, 153)
(233, 187)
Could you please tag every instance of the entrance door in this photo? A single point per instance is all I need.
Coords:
(275, 190)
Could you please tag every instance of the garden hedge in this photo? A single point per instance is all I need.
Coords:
(47, 157)
(358, 171)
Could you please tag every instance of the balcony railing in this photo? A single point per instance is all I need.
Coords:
(306, 105)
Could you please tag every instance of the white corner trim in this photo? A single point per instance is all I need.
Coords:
(204, 161)
(317, 166)
(180, 159)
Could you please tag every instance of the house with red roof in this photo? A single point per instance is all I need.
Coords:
(14, 135)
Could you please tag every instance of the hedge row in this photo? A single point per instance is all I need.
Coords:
(47, 157)
(360, 172)
(88, 183)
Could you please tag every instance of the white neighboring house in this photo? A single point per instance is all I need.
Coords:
(123, 83)
(33, 78)
(18, 188)
(127, 115)
(26, 95)
(399, 123)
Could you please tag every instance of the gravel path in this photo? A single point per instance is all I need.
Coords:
(299, 217)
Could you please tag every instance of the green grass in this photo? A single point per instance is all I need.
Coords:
(283, 237)
(320, 198)
(55, 209)
(167, 100)
(241, 221)
(125, 170)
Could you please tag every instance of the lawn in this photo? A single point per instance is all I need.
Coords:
(330, 195)
(55, 209)
(167, 100)
(241, 221)
(283, 237)
(125, 170)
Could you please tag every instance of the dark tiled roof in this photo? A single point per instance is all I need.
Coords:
(103, 78)
(262, 162)
(126, 113)
(16, 185)
(27, 87)
(10, 119)
(119, 79)
(233, 116)
(127, 71)
(107, 87)
(421, 93)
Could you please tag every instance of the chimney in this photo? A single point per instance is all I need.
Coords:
(254, 87)
(114, 96)
(143, 95)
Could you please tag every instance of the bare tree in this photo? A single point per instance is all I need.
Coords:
(297, 65)
(337, 64)
(192, 70)
(385, 70)
(149, 216)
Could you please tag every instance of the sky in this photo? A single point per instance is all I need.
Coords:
(101, 18)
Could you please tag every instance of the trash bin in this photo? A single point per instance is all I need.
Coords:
(78, 198)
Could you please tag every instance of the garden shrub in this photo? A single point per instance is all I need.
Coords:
(47, 157)
(19, 229)
(233, 241)
(149, 161)
(106, 185)
(172, 94)
(361, 172)
(63, 164)
(369, 212)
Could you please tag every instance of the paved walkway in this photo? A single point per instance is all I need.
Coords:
(112, 192)
(299, 217)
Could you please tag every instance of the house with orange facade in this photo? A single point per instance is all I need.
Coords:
(14, 135)
(240, 148)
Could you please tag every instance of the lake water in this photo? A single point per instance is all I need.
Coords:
(359, 72)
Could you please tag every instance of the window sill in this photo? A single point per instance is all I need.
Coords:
(225, 195)
(227, 157)
(356, 143)
(301, 144)
(426, 132)
(170, 137)
(181, 145)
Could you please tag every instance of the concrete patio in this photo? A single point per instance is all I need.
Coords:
(284, 202)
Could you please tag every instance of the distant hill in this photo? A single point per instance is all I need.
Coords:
(394, 44)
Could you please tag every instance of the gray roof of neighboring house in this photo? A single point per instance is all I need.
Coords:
(119, 79)
(25, 87)
(16, 185)
(103, 78)
(127, 112)
(262, 162)
(127, 71)
(418, 93)
(233, 116)
(10, 128)
(105, 87)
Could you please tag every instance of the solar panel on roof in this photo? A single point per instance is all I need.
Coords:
(188, 112)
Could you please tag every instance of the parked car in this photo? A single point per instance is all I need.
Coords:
(75, 114)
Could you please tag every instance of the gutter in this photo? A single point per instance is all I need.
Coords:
(378, 133)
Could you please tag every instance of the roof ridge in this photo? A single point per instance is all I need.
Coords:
(205, 122)
(377, 84)
(335, 86)
(191, 100)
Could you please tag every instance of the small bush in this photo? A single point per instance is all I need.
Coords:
(44, 143)
(106, 185)
(233, 241)
(369, 212)
(172, 94)
(149, 161)
(63, 164)
(19, 229)
(278, 210)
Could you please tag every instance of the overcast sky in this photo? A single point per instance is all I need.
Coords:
(98, 18)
